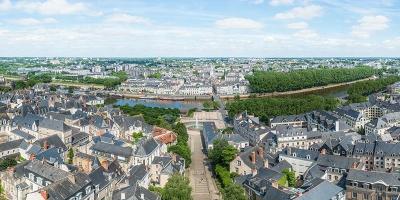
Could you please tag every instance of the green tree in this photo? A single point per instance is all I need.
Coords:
(70, 156)
(137, 136)
(53, 88)
(290, 177)
(71, 89)
(6, 163)
(234, 192)
(177, 188)
(222, 153)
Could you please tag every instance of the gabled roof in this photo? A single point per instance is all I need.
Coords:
(68, 186)
(52, 141)
(146, 147)
(334, 161)
(112, 149)
(324, 190)
(11, 145)
(53, 124)
(389, 179)
(45, 170)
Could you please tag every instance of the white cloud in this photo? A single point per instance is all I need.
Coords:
(298, 25)
(306, 12)
(238, 23)
(5, 5)
(52, 7)
(258, 1)
(306, 34)
(368, 25)
(280, 2)
(33, 21)
(126, 19)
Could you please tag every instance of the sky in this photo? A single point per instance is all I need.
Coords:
(200, 28)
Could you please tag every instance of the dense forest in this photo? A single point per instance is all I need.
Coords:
(263, 81)
(266, 108)
(358, 92)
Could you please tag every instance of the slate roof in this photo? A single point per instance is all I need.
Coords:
(11, 145)
(134, 192)
(68, 186)
(51, 155)
(245, 156)
(323, 191)
(112, 149)
(23, 134)
(137, 173)
(52, 141)
(336, 161)
(145, 147)
(162, 160)
(288, 118)
(209, 133)
(53, 124)
(301, 153)
(45, 170)
(391, 179)
(387, 149)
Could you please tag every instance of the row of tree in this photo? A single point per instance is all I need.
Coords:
(266, 108)
(181, 147)
(358, 92)
(220, 156)
(267, 81)
(33, 79)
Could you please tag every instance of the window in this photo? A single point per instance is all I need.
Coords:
(79, 196)
(88, 190)
(39, 180)
(239, 163)
(31, 176)
(354, 195)
(365, 196)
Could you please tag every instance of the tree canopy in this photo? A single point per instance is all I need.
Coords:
(358, 92)
(268, 81)
(177, 188)
(266, 108)
(222, 153)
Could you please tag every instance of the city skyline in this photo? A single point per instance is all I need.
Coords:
(234, 28)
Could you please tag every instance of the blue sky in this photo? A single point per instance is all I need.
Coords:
(189, 28)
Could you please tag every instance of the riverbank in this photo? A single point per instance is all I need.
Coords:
(296, 92)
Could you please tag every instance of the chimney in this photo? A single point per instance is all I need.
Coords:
(323, 151)
(32, 157)
(46, 145)
(254, 171)
(253, 157)
(260, 152)
(266, 163)
(104, 164)
(337, 125)
(173, 157)
(72, 178)
(274, 183)
(44, 194)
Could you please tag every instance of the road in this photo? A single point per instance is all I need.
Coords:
(203, 185)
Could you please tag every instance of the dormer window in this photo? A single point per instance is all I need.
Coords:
(294, 154)
(308, 157)
(88, 190)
